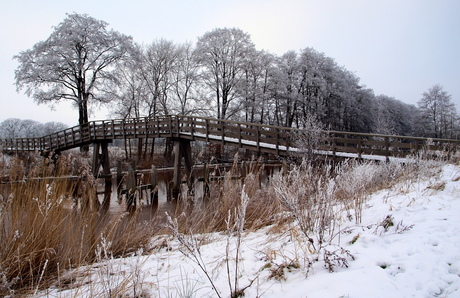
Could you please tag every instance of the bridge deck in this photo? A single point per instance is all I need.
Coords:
(255, 137)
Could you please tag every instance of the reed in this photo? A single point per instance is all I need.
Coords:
(210, 214)
(48, 226)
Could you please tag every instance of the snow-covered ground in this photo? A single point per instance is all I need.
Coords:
(407, 245)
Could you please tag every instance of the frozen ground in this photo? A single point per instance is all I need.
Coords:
(407, 245)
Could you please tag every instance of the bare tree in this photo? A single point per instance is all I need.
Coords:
(391, 116)
(255, 87)
(224, 53)
(439, 114)
(287, 89)
(51, 127)
(185, 86)
(383, 123)
(11, 128)
(128, 94)
(158, 62)
(73, 63)
(17, 128)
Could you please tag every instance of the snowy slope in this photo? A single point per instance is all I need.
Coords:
(407, 245)
(418, 261)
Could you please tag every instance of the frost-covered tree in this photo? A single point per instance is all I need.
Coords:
(186, 90)
(286, 92)
(157, 65)
(391, 116)
(51, 127)
(439, 114)
(254, 88)
(11, 128)
(129, 92)
(223, 54)
(17, 128)
(73, 64)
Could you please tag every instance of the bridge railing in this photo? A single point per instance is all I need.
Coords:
(132, 128)
(386, 145)
(276, 139)
(21, 144)
(262, 138)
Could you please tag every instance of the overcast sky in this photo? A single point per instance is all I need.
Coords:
(399, 48)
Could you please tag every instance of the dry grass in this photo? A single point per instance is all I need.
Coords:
(211, 214)
(48, 226)
(312, 193)
(45, 230)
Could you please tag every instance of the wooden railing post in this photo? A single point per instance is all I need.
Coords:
(170, 126)
(206, 121)
(334, 144)
(239, 135)
(387, 148)
(222, 131)
(104, 136)
(93, 136)
(360, 141)
(192, 127)
(123, 125)
(135, 130)
(257, 139)
(177, 126)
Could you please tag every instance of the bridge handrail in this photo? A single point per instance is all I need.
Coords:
(245, 134)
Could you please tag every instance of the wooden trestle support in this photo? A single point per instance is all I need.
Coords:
(101, 168)
(182, 150)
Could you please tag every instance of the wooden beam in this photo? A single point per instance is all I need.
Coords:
(101, 159)
(182, 149)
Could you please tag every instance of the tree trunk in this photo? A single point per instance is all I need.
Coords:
(83, 118)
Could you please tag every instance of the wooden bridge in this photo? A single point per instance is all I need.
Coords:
(280, 141)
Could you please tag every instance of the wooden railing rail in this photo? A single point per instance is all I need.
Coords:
(263, 138)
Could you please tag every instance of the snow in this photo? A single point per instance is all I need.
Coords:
(417, 256)
(294, 149)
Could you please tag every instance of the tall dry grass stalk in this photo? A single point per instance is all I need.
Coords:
(51, 225)
(48, 226)
(307, 194)
(211, 214)
(238, 204)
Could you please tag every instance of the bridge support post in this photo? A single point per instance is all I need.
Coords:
(182, 149)
(154, 184)
(101, 159)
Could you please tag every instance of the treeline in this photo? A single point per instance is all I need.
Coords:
(17, 128)
(222, 75)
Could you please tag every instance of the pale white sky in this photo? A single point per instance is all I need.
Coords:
(399, 48)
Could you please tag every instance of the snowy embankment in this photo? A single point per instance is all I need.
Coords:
(407, 245)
